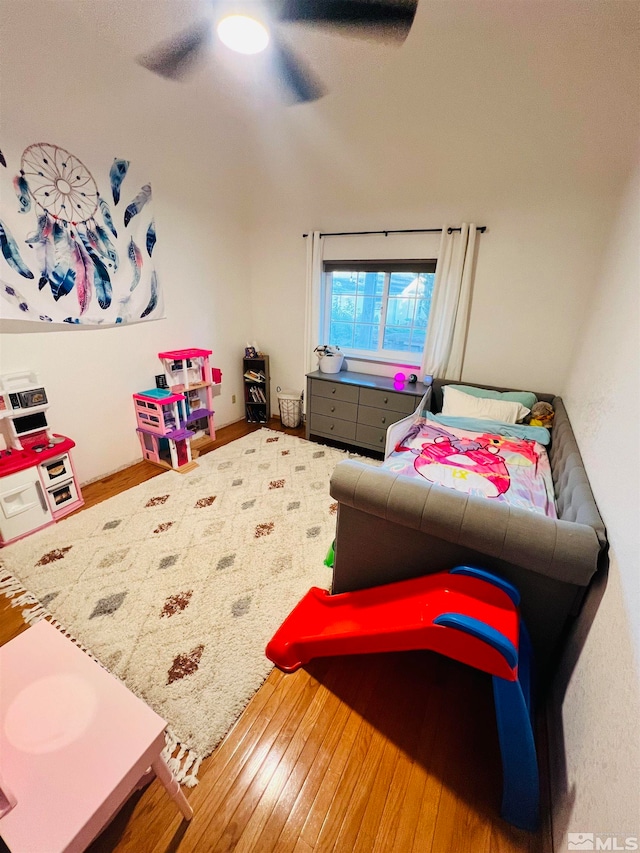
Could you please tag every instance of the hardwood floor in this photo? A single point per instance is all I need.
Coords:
(393, 753)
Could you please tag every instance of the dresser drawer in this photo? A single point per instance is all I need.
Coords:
(334, 408)
(371, 436)
(404, 403)
(332, 427)
(380, 418)
(334, 390)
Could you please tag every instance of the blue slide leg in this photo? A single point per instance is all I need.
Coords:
(521, 785)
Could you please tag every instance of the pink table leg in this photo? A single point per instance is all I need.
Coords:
(173, 788)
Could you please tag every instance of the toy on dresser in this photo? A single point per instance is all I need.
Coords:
(178, 410)
(38, 483)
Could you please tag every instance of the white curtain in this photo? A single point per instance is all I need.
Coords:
(315, 249)
(449, 315)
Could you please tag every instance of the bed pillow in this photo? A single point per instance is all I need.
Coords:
(527, 398)
(458, 404)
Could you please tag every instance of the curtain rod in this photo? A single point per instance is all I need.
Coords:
(480, 228)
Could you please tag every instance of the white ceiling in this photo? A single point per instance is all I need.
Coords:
(335, 56)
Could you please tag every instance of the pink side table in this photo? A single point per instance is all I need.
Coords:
(74, 744)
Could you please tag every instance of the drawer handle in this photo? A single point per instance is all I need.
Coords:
(333, 391)
(381, 439)
(332, 426)
(383, 420)
(43, 501)
(386, 399)
(333, 408)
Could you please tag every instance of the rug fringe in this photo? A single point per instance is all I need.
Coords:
(186, 763)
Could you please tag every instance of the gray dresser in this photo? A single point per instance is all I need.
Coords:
(357, 408)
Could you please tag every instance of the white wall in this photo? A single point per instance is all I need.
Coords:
(98, 104)
(509, 115)
(598, 790)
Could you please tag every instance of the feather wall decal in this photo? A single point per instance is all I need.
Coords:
(38, 236)
(153, 301)
(11, 252)
(2, 160)
(109, 248)
(106, 215)
(11, 294)
(89, 321)
(63, 277)
(135, 256)
(44, 248)
(137, 204)
(84, 273)
(14, 296)
(22, 191)
(101, 280)
(117, 176)
(151, 237)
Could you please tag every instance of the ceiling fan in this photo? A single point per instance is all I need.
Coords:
(251, 26)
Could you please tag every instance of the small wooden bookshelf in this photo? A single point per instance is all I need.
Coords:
(257, 393)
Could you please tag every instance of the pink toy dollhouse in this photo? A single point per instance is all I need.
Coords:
(170, 418)
(163, 439)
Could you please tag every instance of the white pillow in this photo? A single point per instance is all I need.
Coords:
(458, 404)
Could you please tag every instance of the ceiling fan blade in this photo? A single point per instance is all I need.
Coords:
(176, 57)
(301, 84)
(370, 14)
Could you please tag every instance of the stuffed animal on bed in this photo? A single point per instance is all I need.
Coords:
(541, 415)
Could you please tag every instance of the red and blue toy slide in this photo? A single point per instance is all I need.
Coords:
(467, 614)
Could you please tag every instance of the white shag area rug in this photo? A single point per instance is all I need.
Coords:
(177, 584)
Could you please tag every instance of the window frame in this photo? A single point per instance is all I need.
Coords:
(388, 267)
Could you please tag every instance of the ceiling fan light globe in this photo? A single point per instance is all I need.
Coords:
(243, 34)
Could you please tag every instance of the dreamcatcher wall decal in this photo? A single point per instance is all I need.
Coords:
(84, 261)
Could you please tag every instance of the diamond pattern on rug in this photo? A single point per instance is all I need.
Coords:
(176, 603)
(111, 525)
(46, 600)
(107, 606)
(51, 556)
(241, 606)
(246, 560)
(112, 558)
(157, 501)
(276, 484)
(184, 665)
(203, 502)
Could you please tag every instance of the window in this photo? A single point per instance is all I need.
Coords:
(377, 309)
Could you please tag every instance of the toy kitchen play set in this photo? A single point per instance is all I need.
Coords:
(38, 483)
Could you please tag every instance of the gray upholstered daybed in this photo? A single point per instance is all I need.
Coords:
(391, 528)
